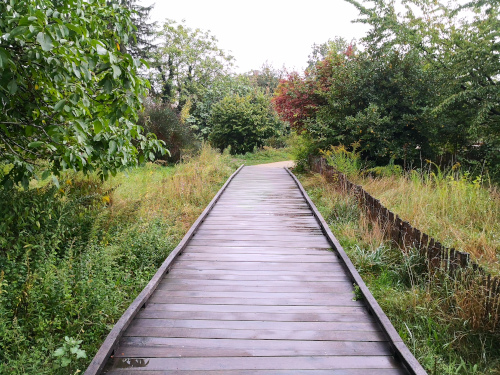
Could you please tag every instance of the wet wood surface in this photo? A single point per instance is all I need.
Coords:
(257, 290)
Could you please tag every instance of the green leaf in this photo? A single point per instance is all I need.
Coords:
(101, 50)
(45, 174)
(116, 71)
(112, 147)
(108, 86)
(65, 362)
(55, 181)
(45, 41)
(18, 31)
(12, 86)
(97, 127)
(35, 144)
(74, 28)
(4, 58)
(80, 354)
(59, 352)
(60, 105)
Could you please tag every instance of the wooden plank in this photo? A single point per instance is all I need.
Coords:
(269, 287)
(260, 275)
(297, 296)
(254, 325)
(132, 370)
(216, 229)
(258, 250)
(305, 267)
(361, 336)
(298, 284)
(293, 309)
(340, 300)
(283, 238)
(320, 242)
(201, 343)
(307, 258)
(262, 363)
(187, 347)
(104, 352)
(266, 316)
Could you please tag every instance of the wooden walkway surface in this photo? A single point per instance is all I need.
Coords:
(257, 290)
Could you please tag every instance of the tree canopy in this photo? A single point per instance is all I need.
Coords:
(70, 97)
(185, 61)
(424, 85)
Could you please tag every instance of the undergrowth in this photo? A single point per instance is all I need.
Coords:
(458, 209)
(73, 258)
(434, 314)
(453, 207)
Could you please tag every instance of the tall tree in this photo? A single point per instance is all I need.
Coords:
(142, 45)
(459, 43)
(186, 61)
(69, 96)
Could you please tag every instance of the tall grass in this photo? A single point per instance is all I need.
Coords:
(451, 206)
(439, 318)
(72, 259)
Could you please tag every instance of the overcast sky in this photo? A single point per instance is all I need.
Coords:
(280, 32)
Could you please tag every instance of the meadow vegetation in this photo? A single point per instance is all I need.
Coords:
(459, 210)
(439, 318)
(73, 258)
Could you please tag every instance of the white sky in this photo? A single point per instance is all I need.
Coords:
(280, 32)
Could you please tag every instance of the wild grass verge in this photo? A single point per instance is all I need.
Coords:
(73, 258)
(457, 209)
(432, 313)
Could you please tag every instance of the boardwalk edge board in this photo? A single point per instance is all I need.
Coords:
(109, 345)
(401, 352)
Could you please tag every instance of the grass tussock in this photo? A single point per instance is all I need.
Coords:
(440, 319)
(73, 258)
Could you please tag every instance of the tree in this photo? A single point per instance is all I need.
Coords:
(243, 123)
(376, 101)
(266, 78)
(209, 95)
(142, 45)
(69, 96)
(459, 44)
(185, 62)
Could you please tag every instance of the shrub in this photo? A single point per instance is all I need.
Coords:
(163, 121)
(243, 123)
(344, 161)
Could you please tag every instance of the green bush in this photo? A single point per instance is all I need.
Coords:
(343, 160)
(301, 147)
(243, 123)
(163, 121)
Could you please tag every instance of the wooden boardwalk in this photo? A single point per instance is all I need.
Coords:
(257, 290)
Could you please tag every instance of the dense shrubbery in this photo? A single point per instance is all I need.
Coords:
(162, 120)
(424, 87)
(243, 123)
